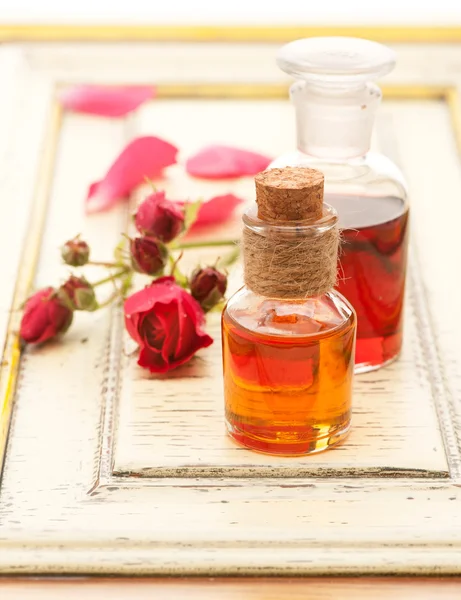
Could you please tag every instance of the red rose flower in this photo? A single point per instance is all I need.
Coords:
(166, 322)
(159, 218)
(45, 316)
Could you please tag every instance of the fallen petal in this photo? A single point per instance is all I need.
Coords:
(106, 101)
(217, 210)
(144, 157)
(222, 162)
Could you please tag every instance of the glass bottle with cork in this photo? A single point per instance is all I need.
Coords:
(335, 101)
(288, 336)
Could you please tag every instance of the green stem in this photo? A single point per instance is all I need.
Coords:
(126, 283)
(112, 276)
(185, 245)
(174, 263)
(98, 263)
(109, 300)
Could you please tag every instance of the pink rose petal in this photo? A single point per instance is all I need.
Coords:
(143, 157)
(217, 210)
(222, 162)
(106, 101)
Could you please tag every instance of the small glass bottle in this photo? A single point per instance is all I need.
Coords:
(335, 102)
(288, 336)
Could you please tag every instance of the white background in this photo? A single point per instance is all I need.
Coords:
(231, 12)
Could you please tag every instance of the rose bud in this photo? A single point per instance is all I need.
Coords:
(148, 255)
(45, 316)
(208, 287)
(79, 293)
(167, 323)
(159, 218)
(75, 252)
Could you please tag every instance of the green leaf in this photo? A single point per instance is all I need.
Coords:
(191, 212)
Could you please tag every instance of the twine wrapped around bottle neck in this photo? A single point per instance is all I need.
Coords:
(290, 248)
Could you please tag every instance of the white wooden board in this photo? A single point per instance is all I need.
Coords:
(167, 430)
(109, 470)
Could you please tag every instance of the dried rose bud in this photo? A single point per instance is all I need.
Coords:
(75, 252)
(148, 256)
(79, 293)
(208, 287)
(45, 316)
(160, 218)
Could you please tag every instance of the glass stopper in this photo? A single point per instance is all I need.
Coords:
(336, 60)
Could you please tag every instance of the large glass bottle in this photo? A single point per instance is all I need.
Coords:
(335, 101)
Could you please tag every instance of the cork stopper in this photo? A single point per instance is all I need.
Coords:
(291, 250)
(289, 194)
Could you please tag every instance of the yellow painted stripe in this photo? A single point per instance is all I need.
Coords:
(208, 33)
(256, 91)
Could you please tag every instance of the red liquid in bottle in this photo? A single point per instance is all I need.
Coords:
(372, 272)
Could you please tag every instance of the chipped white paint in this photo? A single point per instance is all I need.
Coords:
(87, 422)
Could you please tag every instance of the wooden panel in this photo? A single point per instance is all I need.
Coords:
(161, 63)
(87, 421)
(178, 430)
(26, 99)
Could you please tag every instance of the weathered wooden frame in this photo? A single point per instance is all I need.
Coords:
(282, 547)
